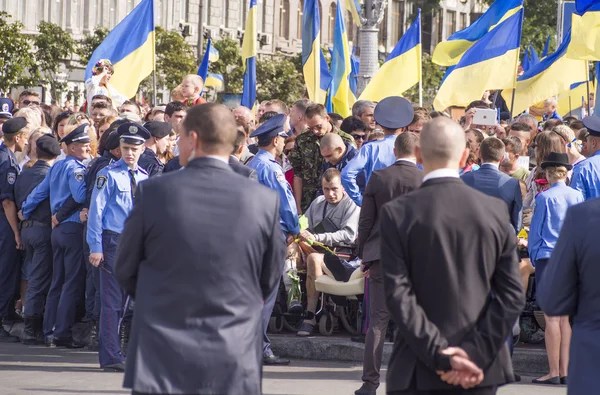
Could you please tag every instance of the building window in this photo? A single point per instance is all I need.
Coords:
(450, 23)
(331, 26)
(463, 20)
(264, 15)
(350, 27)
(383, 33)
(244, 13)
(300, 13)
(396, 18)
(440, 27)
(284, 19)
(185, 5)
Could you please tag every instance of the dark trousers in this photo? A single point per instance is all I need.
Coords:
(378, 324)
(456, 391)
(266, 316)
(68, 280)
(8, 266)
(92, 296)
(112, 300)
(38, 251)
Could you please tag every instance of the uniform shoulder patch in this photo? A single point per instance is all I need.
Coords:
(101, 182)
(280, 177)
(11, 178)
(79, 175)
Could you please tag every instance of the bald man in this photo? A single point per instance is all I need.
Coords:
(336, 154)
(244, 114)
(448, 237)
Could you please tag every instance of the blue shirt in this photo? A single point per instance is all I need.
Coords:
(9, 171)
(554, 115)
(549, 214)
(270, 174)
(586, 177)
(372, 156)
(66, 178)
(350, 153)
(112, 201)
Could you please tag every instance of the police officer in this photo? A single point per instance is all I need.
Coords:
(112, 200)
(393, 114)
(15, 140)
(35, 233)
(586, 174)
(271, 137)
(65, 179)
(156, 145)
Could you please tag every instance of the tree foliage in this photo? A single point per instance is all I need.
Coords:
(539, 23)
(229, 65)
(88, 45)
(16, 55)
(432, 79)
(277, 78)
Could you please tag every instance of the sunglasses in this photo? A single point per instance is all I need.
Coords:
(359, 136)
(28, 102)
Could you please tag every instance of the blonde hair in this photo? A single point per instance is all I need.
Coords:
(196, 79)
(176, 94)
(33, 115)
(557, 173)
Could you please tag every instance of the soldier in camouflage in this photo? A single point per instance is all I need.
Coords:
(306, 157)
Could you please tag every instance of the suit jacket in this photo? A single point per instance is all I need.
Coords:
(451, 278)
(384, 185)
(241, 168)
(570, 287)
(201, 250)
(491, 181)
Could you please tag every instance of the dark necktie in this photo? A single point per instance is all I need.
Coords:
(133, 183)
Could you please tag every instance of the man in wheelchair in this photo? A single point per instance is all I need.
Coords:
(333, 222)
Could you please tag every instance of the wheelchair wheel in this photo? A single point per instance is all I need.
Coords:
(531, 332)
(351, 317)
(291, 323)
(276, 324)
(326, 324)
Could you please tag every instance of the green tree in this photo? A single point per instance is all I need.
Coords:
(277, 78)
(16, 55)
(539, 23)
(54, 47)
(229, 65)
(88, 45)
(432, 79)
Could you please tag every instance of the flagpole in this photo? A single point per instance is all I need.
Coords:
(587, 84)
(154, 57)
(421, 78)
(570, 107)
(514, 90)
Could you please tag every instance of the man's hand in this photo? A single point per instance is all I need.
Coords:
(365, 273)
(18, 241)
(20, 215)
(96, 258)
(55, 222)
(306, 235)
(83, 215)
(464, 372)
(290, 239)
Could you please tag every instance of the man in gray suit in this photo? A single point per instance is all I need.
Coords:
(199, 286)
(570, 287)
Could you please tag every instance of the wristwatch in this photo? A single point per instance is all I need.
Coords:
(442, 362)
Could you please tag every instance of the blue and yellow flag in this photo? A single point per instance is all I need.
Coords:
(585, 31)
(448, 53)
(203, 68)
(571, 99)
(342, 97)
(355, 8)
(249, 58)
(490, 64)
(553, 75)
(546, 47)
(311, 51)
(402, 68)
(130, 48)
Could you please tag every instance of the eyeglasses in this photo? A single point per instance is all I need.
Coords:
(359, 136)
(30, 102)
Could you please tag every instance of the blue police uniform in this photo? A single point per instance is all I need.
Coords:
(64, 180)
(149, 160)
(586, 174)
(111, 203)
(392, 113)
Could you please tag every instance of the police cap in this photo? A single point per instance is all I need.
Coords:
(6, 107)
(394, 112)
(14, 125)
(79, 135)
(591, 123)
(133, 133)
(48, 144)
(158, 129)
(273, 127)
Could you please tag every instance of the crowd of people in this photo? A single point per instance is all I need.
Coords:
(69, 176)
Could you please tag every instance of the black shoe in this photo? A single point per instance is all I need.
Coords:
(295, 308)
(273, 360)
(68, 343)
(6, 337)
(30, 331)
(93, 345)
(551, 381)
(517, 378)
(49, 341)
(114, 367)
(358, 339)
(366, 389)
(563, 380)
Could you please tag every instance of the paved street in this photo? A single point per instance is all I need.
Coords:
(41, 371)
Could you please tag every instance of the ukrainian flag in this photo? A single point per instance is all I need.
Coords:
(490, 64)
(249, 58)
(341, 67)
(311, 52)
(355, 8)
(130, 48)
(449, 52)
(402, 68)
(585, 31)
(553, 75)
(571, 99)
(210, 55)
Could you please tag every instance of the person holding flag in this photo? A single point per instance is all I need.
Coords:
(98, 84)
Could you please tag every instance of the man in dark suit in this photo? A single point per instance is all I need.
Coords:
(489, 180)
(570, 288)
(452, 284)
(234, 158)
(384, 185)
(199, 287)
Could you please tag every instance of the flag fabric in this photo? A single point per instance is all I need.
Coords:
(311, 51)
(342, 97)
(402, 68)
(596, 109)
(585, 30)
(490, 64)
(355, 62)
(355, 8)
(214, 80)
(570, 100)
(534, 56)
(249, 58)
(448, 53)
(526, 64)
(325, 81)
(203, 69)
(546, 47)
(553, 75)
(130, 48)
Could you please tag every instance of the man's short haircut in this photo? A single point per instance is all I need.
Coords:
(576, 125)
(513, 144)
(520, 127)
(331, 174)
(331, 140)
(351, 124)
(477, 104)
(132, 103)
(283, 108)
(335, 117)
(102, 97)
(102, 105)
(405, 144)
(302, 105)
(314, 110)
(360, 106)
(266, 116)
(28, 92)
(173, 107)
(421, 115)
(435, 114)
(239, 141)
(552, 123)
(215, 126)
(492, 150)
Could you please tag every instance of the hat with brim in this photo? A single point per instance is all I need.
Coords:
(272, 128)
(394, 112)
(79, 135)
(133, 133)
(556, 159)
(592, 124)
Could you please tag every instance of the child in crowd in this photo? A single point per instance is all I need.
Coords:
(191, 89)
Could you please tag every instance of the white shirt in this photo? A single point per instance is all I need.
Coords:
(413, 161)
(441, 173)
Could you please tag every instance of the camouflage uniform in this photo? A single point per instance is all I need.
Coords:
(307, 162)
